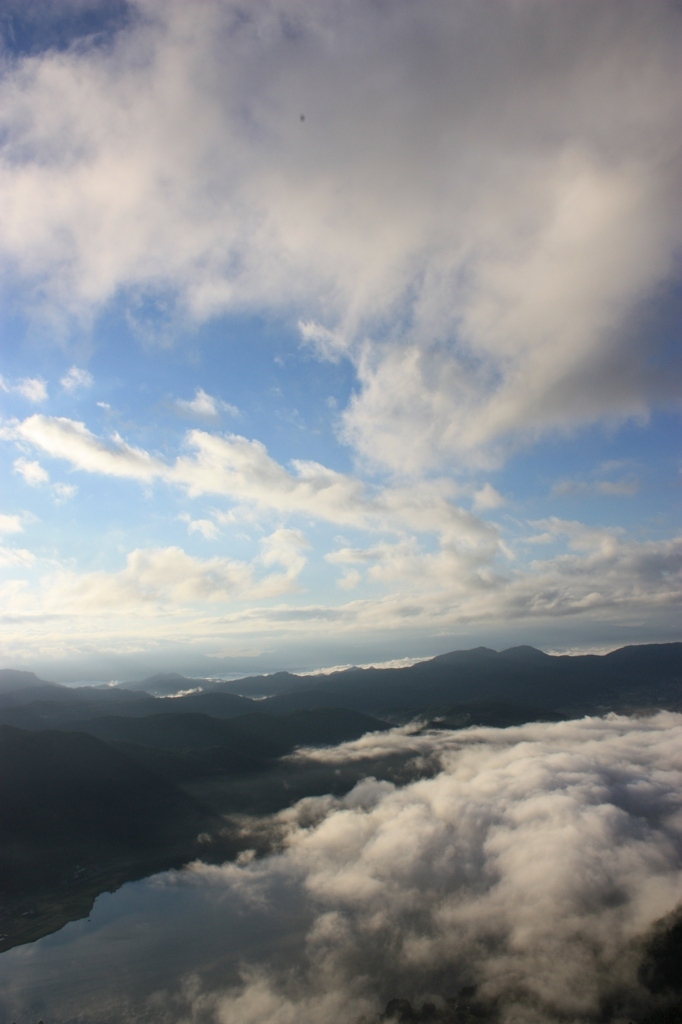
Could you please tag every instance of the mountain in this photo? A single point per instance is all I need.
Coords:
(632, 676)
(266, 686)
(25, 687)
(70, 799)
(637, 676)
(12, 679)
(80, 705)
(257, 735)
(103, 784)
(167, 684)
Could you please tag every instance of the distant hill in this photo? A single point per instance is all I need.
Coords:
(17, 686)
(267, 686)
(69, 799)
(102, 784)
(637, 676)
(257, 735)
(167, 684)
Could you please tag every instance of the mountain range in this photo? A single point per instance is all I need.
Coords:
(102, 784)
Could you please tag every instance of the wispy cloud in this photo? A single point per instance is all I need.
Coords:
(205, 406)
(241, 469)
(63, 492)
(206, 527)
(625, 487)
(16, 558)
(487, 498)
(32, 472)
(10, 524)
(33, 389)
(75, 379)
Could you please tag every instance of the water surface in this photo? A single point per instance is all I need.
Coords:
(137, 950)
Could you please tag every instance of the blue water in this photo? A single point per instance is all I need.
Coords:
(136, 951)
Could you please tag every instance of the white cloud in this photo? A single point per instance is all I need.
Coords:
(156, 581)
(64, 492)
(76, 378)
(432, 566)
(32, 472)
(205, 406)
(63, 438)
(242, 470)
(286, 548)
(16, 557)
(478, 231)
(594, 579)
(206, 527)
(487, 498)
(350, 579)
(327, 345)
(163, 577)
(531, 865)
(618, 488)
(32, 388)
(625, 487)
(10, 524)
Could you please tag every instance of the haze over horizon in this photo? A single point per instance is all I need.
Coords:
(337, 333)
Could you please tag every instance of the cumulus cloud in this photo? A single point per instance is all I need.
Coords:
(530, 150)
(350, 579)
(159, 582)
(204, 406)
(31, 388)
(75, 379)
(10, 524)
(206, 527)
(429, 565)
(463, 573)
(32, 472)
(285, 547)
(487, 498)
(63, 492)
(530, 864)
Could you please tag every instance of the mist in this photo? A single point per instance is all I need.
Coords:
(532, 865)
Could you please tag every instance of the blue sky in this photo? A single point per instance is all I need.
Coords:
(337, 333)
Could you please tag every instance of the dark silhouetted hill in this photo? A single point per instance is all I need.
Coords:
(261, 736)
(70, 799)
(648, 675)
(629, 678)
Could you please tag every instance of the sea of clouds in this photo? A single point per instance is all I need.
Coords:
(532, 865)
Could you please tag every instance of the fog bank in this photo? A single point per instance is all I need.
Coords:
(531, 865)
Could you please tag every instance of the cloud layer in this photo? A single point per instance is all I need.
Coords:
(472, 202)
(421, 564)
(532, 865)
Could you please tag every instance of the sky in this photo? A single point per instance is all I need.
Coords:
(337, 333)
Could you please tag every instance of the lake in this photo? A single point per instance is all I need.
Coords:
(141, 947)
